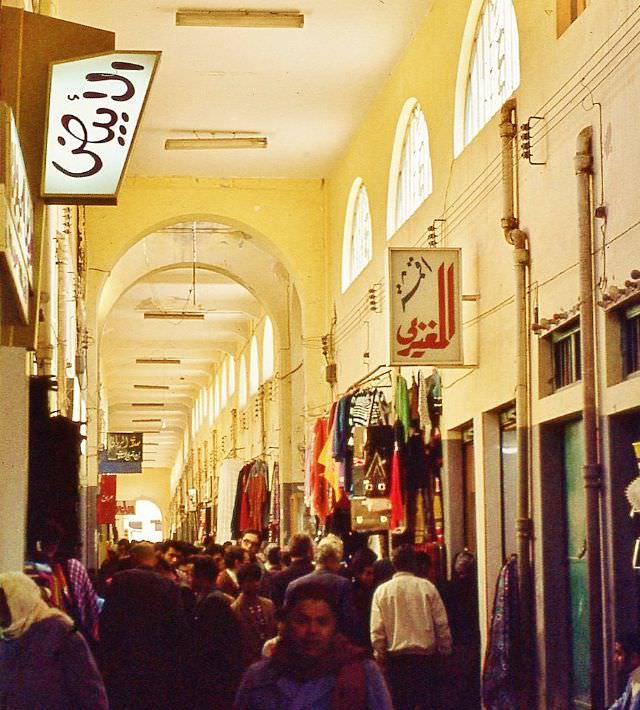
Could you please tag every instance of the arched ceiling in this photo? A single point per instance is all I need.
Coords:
(305, 89)
(198, 269)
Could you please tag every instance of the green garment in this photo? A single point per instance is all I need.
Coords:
(402, 405)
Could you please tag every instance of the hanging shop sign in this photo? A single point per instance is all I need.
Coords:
(425, 325)
(95, 105)
(125, 507)
(107, 509)
(16, 213)
(124, 446)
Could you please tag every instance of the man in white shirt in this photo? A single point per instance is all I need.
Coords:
(409, 633)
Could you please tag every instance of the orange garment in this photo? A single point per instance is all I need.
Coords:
(326, 455)
(319, 492)
(256, 495)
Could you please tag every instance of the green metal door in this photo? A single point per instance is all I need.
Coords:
(576, 522)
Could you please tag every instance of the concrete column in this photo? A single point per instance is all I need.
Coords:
(14, 457)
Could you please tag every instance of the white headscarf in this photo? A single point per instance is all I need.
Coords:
(26, 604)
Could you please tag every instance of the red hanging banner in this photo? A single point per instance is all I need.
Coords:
(106, 513)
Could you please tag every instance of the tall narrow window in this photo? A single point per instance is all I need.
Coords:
(357, 240)
(232, 376)
(216, 405)
(267, 350)
(413, 171)
(254, 367)
(631, 340)
(567, 365)
(223, 385)
(242, 382)
(494, 69)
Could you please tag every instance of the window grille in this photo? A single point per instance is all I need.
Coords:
(361, 238)
(414, 176)
(567, 365)
(494, 71)
(631, 340)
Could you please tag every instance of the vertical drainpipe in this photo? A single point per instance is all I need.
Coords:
(518, 239)
(591, 468)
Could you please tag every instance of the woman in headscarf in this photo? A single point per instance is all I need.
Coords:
(312, 666)
(45, 662)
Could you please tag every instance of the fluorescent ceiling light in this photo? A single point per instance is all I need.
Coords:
(151, 443)
(146, 420)
(177, 315)
(147, 404)
(157, 361)
(240, 18)
(215, 143)
(150, 387)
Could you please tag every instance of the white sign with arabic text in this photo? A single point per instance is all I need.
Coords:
(95, 104)
(424, 307)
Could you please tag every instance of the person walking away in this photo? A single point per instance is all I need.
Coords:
(142, 637)
(214, 650)
(626, 661)
(362, 586)
(328, 565)
(462, 690)
(301, 553)
(44, 662)
(255, 614)
(227, 580)
(272, 567)
(410, 633)
(312, 665)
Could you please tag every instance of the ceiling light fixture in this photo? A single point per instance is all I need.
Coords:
(215, 143)
(150, 387)
(157, 361)
(173, 315)
(291, 19)
(140, 421)
(147, 404)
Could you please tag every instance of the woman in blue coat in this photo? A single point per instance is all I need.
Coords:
(44, 662)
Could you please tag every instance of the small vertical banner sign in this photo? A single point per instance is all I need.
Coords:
(107, 507)
(425, 325)
(95, 105)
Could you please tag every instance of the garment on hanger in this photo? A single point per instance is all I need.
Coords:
(397, 503)
(326, 457)
(402, 404)
(274, 505)
(319, 486)
(414, 409)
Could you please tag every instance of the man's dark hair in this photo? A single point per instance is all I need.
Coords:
(232, 555)
(362, 558)
(273, 555)
(630, 642)
(301, 545)
(404, 558)
(214, 549)
(124, 542)
(251, 572)
(165, 546)
(310, 591)
(204, 568)
(423, 563)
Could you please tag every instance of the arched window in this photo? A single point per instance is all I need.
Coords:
(493, 67)
(232, 376)
(254, 367)
(223, 386)
(267, 350)
(410, 181)
(205, 403)
(357, 244)
(211, 404)
(242, 382)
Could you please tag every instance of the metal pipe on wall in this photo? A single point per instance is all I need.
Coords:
(518, 239)
(591, 467)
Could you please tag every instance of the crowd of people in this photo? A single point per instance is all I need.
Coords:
(245, 628)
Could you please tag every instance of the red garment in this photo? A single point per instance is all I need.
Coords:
(397, 505)
(256, 496)
(319, 485)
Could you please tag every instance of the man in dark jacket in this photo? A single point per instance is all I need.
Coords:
(328, 565)
(214, 659)
(301, 552)
(142, 635)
